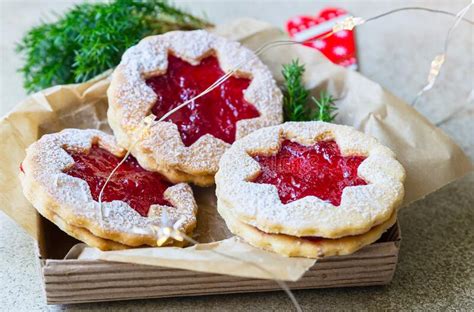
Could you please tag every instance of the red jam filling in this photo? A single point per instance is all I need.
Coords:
(311, 239)
(317, 170)
(130, 183)
(215, 113)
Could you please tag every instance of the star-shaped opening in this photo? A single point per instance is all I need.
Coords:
(318, 170)
(130, 183)
(216, 113)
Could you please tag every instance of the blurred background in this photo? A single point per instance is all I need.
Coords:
(395, 51)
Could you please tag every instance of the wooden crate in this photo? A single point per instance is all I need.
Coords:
(78, 281)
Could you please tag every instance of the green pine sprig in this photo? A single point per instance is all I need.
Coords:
(91, 38)
(295, 100)
(295, 94)
(325, 107)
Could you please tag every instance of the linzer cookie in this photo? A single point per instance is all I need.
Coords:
(161, 72)
(63, 175)
(309, 189)
(305, 246)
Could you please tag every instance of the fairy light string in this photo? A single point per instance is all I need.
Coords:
(169, 229)
(439, 60)
(347, 24)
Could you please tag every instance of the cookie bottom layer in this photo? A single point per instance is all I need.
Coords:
(292, 246)
(147, 161)
(82, 234)
(90, 239)
(177, 176)
(89, 231)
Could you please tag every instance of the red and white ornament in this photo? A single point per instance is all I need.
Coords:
(339, 48)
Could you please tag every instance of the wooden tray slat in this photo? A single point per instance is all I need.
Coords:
(77, 281)
(242, 287)
(79, 271)
(213, 281)
(72, 298)
(378, 251)
(179, 277)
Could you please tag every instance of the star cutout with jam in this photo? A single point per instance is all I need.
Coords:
(131, 183)
(317, 170)
(215, 113)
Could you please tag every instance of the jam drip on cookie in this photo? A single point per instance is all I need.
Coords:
(130, 183)
(216, 113)
(317, 170)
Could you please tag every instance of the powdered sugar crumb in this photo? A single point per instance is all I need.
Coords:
(131, 99)
(46, 162)
(259, 204)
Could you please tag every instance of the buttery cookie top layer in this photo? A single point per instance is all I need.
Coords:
(310, 179)
(161, 72)
(64, 172)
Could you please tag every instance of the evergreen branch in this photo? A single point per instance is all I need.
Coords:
(295, 98)
(295, 94)
(91, 38)
(325, 107)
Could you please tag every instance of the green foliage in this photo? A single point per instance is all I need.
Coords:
(91, 38)
(295, 100)
(325, 109)
(295, 94)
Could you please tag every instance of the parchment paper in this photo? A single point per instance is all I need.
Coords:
(430, 157)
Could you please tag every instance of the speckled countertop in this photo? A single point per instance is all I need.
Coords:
(436, 270)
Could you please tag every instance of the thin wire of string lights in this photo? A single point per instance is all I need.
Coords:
(168, 228)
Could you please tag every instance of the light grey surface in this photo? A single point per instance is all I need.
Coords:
(435, 270)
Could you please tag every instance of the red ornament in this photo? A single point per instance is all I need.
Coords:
(339, 48)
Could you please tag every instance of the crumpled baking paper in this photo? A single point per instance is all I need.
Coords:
(429, 156)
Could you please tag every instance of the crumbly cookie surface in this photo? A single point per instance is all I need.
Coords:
(292, 246)
(53, 192)
(161, 148)
(81, 233)
(362, 207)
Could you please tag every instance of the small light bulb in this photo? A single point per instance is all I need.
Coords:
(178, 236)
(167, 231)
(435, 68)
(348, 24)
(160, 241)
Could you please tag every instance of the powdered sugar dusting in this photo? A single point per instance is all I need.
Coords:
(44, 167)
(361, 206)
(162, 149)
(293, 246)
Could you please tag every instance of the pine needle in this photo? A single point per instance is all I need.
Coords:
(324, 110)
(91, 38)
(295, 101)
(295, 94)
